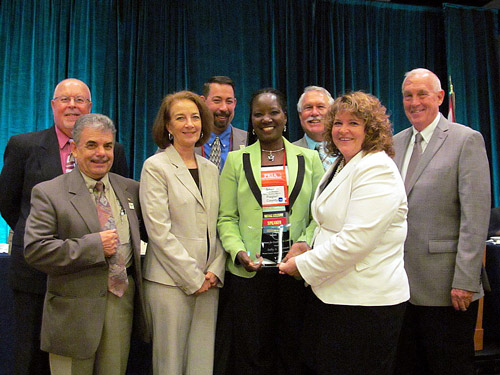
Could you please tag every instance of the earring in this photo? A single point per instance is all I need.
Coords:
(201, 135)
(170, 137)
(253, 131)
(284, 129)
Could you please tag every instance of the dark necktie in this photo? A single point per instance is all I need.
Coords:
(414, 159)
(215, 152)
(117, 274)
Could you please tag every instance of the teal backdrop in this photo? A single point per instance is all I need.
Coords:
(133, 52)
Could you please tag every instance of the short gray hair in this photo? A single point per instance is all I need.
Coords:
(436, 83)
(314, 88)
(93, 121)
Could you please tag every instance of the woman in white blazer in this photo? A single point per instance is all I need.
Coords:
(184, 264)
(355, 267)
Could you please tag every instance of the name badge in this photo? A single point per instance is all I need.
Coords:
(273, 195)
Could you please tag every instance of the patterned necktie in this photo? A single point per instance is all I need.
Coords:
(117, 274)
(325, 160)
(70, 161)
(414, 159)
(215, 152)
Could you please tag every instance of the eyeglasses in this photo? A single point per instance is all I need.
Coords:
(67, 99)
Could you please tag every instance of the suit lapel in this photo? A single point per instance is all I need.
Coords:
(183, 175)
(239, 138)
(82, 201)
(438, 137)
(337, 180)
(291, 161)
(205, 182)
(51, 159)
(401, 147)
(256, 161)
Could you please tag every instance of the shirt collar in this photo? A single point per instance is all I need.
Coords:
(62, 139)
(311, 143)
(90, 182)
(225, 137)
(429, 130)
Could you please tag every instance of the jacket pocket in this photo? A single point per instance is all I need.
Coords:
(443, 246)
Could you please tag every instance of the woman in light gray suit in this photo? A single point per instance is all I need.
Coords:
(355, 267)
(184, 264)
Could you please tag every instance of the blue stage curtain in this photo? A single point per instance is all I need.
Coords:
(472, 61)
(132, 53)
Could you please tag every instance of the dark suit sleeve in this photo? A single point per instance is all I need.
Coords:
(120, 161)
(11, 181)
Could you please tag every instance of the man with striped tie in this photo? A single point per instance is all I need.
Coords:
(31, 158)
(313, 106)
(84, 232)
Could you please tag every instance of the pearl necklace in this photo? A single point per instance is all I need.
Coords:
(270, 157)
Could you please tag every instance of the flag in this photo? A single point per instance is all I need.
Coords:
(451, 103)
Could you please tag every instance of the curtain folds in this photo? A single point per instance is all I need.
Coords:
(132, 53)
(473, 65)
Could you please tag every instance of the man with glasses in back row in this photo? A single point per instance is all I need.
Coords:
(29, 159)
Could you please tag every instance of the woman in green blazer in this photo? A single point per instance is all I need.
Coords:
(264, 188)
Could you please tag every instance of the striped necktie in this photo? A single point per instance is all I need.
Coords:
(70, 161)
(325, 159)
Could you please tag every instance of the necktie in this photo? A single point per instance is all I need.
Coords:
(215, 152)
(414, 159)
(325, 160)
(70, 161)
(117, 274)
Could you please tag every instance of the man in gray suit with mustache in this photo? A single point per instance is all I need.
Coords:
(313, 107)
(447, 180)
(83, 231)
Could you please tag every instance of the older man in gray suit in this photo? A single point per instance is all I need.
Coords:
(447, 181)
(313, 106)
(83, 231)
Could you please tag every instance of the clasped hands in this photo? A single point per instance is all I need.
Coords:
(287, 266)
(109, 239)
(210, 282)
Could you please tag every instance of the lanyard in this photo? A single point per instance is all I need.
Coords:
(274, 186)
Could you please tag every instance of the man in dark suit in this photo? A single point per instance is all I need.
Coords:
(447, 182)
(83, 231)
(31, 158)
(218, 93)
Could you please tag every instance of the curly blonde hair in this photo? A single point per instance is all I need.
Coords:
(378, 128)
